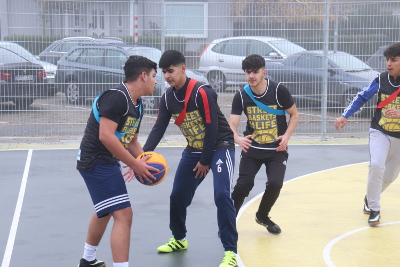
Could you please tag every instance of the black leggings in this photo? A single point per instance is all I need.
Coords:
(250, 164)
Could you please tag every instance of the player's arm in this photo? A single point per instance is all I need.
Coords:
(292, 124)
(234, 120)
(160, 126)
(134, 147)
(112, 143)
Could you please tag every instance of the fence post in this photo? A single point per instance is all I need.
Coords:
(325, 77)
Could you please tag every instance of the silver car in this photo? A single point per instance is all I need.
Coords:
(16, 48)
(221, 61)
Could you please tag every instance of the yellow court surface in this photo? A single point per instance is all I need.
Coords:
(323, 224)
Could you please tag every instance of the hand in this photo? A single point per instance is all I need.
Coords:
(340, 123)
(283, 144)
(201, 170)
(142, 170)
(392, 113)
(244, 142)
(129, 175)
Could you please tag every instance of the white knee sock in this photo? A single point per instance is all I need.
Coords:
(121, 264)
(89, 253)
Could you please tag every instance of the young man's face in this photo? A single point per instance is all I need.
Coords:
(151, 82)
(393, 66)
(175, 75)
(255, 77)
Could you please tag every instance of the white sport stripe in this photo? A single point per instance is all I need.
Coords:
(230, 167)
(111, 202)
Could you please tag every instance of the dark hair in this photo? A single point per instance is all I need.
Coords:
(135, 65)
(171, 57)
(392, 51)
(253, 62)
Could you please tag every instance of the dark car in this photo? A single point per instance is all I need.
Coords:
(86, 71)
(303, 75)
(21, 81)
(377, 61)
(58, 48)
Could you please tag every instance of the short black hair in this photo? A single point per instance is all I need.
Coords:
(171, 57)
(392, 51)
(253, 62)
(135, 65)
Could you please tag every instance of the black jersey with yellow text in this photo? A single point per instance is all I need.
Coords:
(116, 104)
(263, 126)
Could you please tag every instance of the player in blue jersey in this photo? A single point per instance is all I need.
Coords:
(384, 133)
(111, 136)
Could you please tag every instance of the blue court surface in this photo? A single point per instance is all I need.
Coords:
(45, 208)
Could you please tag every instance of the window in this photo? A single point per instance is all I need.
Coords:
(260, 48)
(115, 59)
(120, 25)
(236, 47)
(7, 56)
(91, 56)
(309, 62)
(74, 54)
(194, 17)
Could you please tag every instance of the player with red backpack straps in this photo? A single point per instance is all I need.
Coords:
(384, 134)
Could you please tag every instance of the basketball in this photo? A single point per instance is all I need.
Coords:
(157, 161)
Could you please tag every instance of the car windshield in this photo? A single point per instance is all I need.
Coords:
(152, 54)
(20, 51)
(348, 62)
(287, 47)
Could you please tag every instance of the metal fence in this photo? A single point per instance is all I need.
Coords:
(347, 37)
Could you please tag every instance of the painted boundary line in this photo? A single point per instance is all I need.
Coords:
(251, 201)
(14, 225)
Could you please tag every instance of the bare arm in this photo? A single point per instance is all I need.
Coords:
(293, 121)
(111, 142)
(243, 142)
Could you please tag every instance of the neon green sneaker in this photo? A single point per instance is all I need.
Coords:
(173, 245)
(229, 260)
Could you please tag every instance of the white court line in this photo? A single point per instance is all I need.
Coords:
(17, 213)
(328, 247)
(248, 203)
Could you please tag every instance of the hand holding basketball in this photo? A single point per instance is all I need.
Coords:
(141, 170)
(159, 167)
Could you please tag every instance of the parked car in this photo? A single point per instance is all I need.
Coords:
(21, 81)
(303, 73)
(58, 48)
(85, 71)
(377, 61)
(20, 50)
(221, 61)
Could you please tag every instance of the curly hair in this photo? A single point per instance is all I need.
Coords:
(253, 62)
(135, 65)
(392, 51)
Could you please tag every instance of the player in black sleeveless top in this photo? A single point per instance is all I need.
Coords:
(210, 145)
(265, 139)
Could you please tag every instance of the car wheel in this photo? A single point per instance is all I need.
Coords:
(217, 81)
(73, 92)
(23, 103)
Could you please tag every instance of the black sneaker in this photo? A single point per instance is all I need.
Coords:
(272, 227)
(93, 263)
(374, 217)
(366, 209)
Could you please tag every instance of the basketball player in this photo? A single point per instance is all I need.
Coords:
(266, 136)
(384, 134)
(111, 135)
(210, 146)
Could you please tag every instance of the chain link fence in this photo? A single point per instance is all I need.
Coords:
(323, 51)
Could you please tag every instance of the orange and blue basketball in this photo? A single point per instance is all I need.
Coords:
(157, 161)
